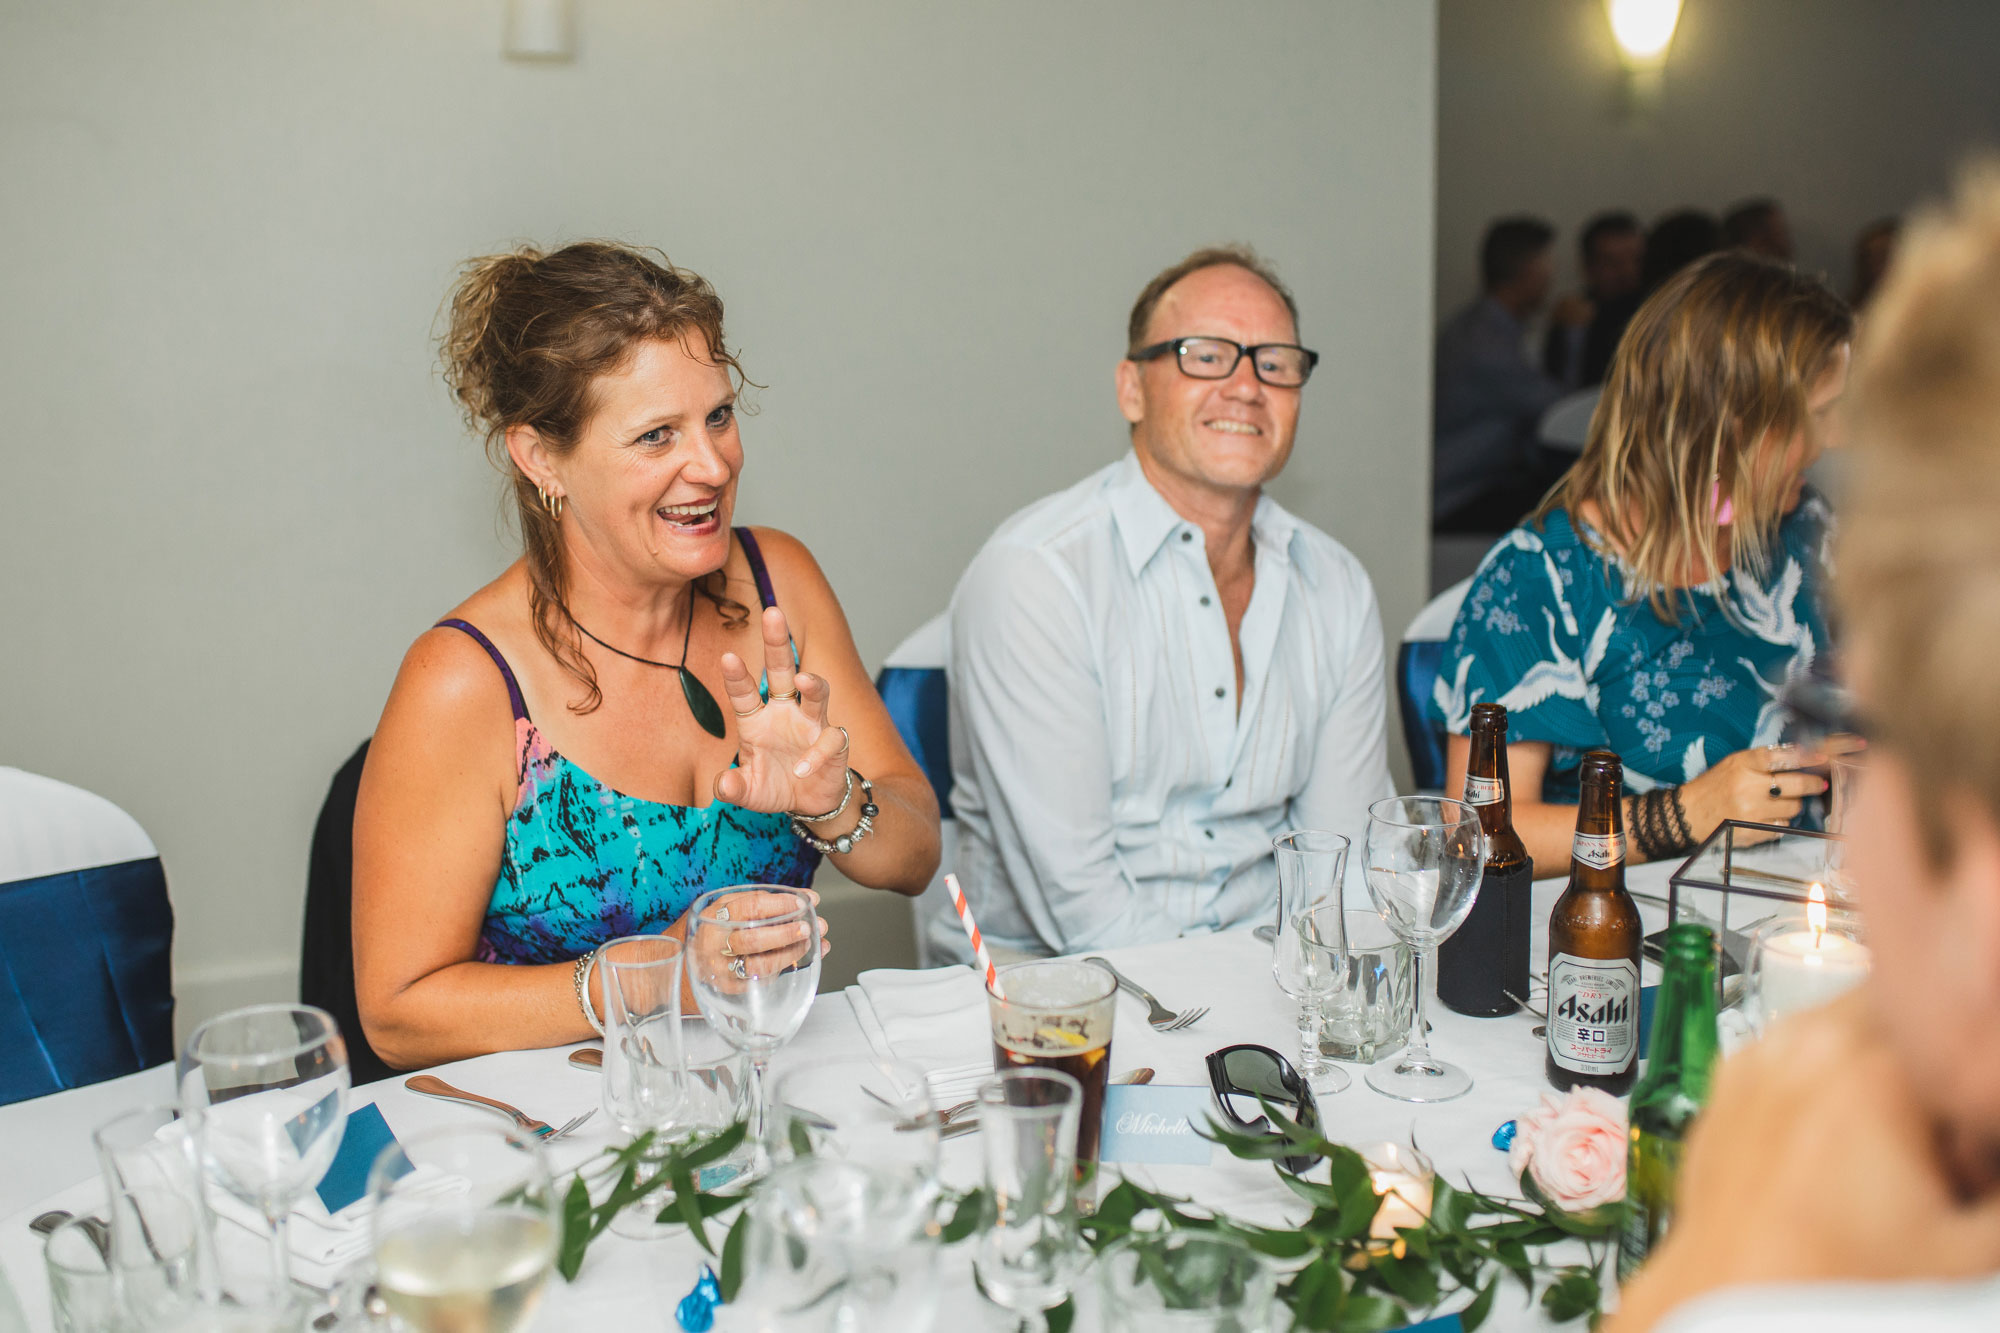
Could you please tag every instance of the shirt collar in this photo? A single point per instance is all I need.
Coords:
(1145, 520)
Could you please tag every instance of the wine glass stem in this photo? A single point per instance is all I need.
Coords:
(759, 1110)
(1417, 1051)
(281, 1261)
(1311, 1063)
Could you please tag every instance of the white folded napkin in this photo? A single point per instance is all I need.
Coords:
(936, 1019)
(325, 1241)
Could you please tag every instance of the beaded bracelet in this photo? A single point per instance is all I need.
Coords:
(845, 842)
(580, 978)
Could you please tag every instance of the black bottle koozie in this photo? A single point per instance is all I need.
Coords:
(1487, 956)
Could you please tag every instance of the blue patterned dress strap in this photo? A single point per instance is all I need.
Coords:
(514, 696)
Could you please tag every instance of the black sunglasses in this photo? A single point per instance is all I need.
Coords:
(1240, 1075)
(1280, 365)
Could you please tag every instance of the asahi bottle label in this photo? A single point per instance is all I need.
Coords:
(1599, 851)
(1482, 791)
(1593, 1013)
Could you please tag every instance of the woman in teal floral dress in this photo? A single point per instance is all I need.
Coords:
(1664, 593)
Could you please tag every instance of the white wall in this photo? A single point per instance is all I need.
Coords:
(1845, 110)
(236, 489)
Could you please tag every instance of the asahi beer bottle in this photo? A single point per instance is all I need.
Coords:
(1681, 1058)
(1594, 939)
(1483, 967)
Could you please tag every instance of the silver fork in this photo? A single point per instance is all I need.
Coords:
(1158, 1016)
(430, 1085)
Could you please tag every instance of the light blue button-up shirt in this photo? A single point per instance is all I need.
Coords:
(1109, 789)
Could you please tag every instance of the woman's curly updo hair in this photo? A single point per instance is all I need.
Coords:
(529, 334)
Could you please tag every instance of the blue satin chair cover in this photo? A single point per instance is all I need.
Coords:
(918, 704)
(86, 986)
(1417, 663)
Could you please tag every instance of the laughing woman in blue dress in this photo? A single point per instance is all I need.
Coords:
(1669, 586)
(635, 711)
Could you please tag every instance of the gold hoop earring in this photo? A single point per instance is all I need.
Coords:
(552, 503)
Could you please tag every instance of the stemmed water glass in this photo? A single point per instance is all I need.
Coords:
(1311, 946)
(1425, 856)
(644, 1089)
(1032, 1251)
(753, 965)
(464, 1228)
(265, 1089)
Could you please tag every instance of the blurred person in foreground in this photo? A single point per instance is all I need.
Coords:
(1612, 250)
(1661, 597)
(1158, 670)
(546, 776)
(1490, 469)
(1761, 227)
(1846, 1173)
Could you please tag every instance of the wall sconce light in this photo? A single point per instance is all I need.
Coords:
(542, 30)
(1643, 29)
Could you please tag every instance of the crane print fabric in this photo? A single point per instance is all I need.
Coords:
(1565, 638)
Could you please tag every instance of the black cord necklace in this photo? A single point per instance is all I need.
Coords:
(700, 702)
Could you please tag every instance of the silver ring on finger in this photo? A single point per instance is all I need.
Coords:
(737, 970)
(722, 914)
(845, 739)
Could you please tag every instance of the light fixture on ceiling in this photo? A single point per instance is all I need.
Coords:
(1643, 30)
(541, 30)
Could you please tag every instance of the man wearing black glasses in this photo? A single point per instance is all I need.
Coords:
(1158, 670)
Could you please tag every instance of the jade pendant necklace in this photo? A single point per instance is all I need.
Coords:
(700, 702)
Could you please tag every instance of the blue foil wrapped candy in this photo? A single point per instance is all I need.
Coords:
(1503, 1137)
(696, 1312)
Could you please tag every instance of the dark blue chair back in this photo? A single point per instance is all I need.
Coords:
(86, 980)
(1418, 661)
(1416, 673)
(918, 704)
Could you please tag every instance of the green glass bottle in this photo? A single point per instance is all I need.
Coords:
(1679, 1063)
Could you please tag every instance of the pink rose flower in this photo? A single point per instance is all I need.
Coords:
(1574, 1146)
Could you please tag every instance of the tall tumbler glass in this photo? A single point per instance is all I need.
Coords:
(638, 981)
(1057, 1015)
(1309, 952)
(266, 1088)
(152, 1148)
(1032, 1250)
(1425, 858)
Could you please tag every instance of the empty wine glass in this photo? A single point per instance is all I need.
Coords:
(266, 1091)
(1425, 856)
(1308, 954)
(464, 1228)
(840, 1245)
(860, 1108)
(644, 1088)
(753, 965)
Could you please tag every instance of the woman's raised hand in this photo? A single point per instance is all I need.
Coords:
(1761, 785)
(788, 758)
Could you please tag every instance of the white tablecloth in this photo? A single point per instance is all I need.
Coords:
(47, 1161)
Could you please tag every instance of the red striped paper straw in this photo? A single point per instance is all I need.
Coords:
(972, 933)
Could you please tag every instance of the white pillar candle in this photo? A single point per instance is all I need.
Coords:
(1805, 964)
(1402, 1180)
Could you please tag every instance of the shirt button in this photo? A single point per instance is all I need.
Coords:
(1220, 692)
(1187, 536)
(1209, 833)
(1229, 782)
(1204, 599)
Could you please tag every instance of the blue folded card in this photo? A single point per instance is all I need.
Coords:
(367, 1134)
(1444, 1323)
(1147, 1122)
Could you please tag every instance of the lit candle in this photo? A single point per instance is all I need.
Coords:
(1402, 1180)
(1801, 968)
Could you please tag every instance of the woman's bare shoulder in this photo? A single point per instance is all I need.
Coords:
(447, 676)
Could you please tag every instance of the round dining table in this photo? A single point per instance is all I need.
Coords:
(633, 1284)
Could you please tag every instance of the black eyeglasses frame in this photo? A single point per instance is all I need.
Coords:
(1175, 345)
